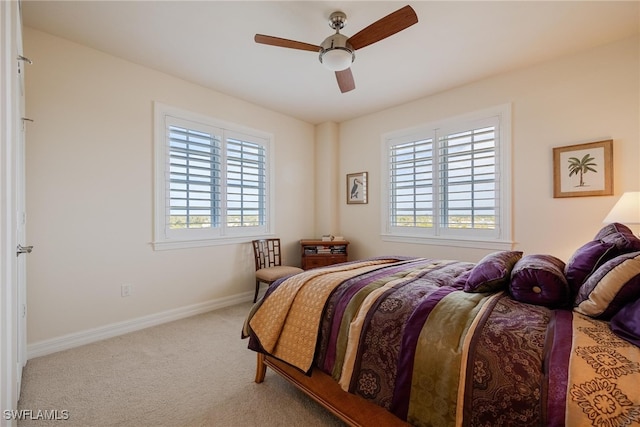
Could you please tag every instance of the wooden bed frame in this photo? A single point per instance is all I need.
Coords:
(350, 408)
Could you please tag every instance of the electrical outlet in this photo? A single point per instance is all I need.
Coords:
(126, 290)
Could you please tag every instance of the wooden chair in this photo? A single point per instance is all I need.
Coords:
(269, 266)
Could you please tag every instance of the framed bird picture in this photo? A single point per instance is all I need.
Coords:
(583, 170)
(357, 188)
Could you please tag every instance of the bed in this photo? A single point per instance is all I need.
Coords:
(515, 339)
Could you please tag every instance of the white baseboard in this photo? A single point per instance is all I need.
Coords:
(65, 342)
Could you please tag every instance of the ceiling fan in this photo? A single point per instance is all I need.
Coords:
(337, 51)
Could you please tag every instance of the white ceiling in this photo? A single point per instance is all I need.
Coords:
(454, 43)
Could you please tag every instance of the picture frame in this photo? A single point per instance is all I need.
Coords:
(583, 170)
(357, 188)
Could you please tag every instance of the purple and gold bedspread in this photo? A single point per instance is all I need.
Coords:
(401, 333)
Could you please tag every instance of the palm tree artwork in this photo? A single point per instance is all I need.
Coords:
(581, 167)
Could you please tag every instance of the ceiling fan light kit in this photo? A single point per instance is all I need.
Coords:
(337, 52)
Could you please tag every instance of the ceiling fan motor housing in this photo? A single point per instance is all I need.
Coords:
(336, 53)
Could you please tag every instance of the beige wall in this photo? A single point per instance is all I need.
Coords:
(587, 97)
(326, 179)
(90, 191)
(90, 175)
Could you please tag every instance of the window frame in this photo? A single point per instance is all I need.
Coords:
(498, 239)
(165, 238)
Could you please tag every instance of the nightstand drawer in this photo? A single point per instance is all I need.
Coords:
(322, 261)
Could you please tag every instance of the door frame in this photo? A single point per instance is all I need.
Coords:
(10, 125)
(20, 200)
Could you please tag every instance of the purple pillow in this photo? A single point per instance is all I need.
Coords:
(492, 272)
(610, 287)
(621, 236)
(586, 260)
(461, 280)
(540, 280)
(626, 323)
(613, 228)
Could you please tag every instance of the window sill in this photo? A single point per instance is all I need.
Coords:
(452, 242)
(188, 244)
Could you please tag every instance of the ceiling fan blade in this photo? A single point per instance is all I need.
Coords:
(292, 44)
(345, 80)
(385, 27)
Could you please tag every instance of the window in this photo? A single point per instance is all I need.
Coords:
(449, 182)
(212, 181)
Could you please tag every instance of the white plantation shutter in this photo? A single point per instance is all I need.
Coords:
(468, 179)
(194, 169)
(246, 182)
(450, 181)
(411, 178)
(212, 181)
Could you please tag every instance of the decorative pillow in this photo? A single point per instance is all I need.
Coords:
(610, 287)
(461, 280)
(613, 228)
(492, 272)
(540, 280)
(626, 323)
(586, 260)
(621, 236)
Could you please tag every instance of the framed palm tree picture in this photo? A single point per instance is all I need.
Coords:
(583, 169)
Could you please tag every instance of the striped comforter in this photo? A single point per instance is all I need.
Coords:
(400, 332)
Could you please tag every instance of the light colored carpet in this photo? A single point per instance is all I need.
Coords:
(194, 372)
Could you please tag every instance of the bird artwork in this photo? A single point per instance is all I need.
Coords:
(355, 188)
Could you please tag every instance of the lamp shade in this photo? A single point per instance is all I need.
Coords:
(626, 210)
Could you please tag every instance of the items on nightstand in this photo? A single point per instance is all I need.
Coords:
(320, 253)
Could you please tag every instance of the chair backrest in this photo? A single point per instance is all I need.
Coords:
(267, 253)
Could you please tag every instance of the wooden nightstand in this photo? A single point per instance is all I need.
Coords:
(319, 253)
